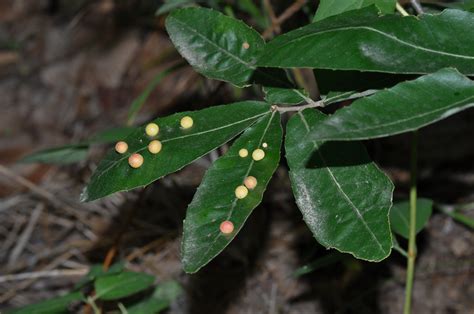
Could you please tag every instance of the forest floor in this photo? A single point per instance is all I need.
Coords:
(68, 72)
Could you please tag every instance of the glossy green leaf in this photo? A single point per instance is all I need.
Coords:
(97, 271)
(215, 44)
(121, 285)
(343, 196)
(284, 96)
(329, 8)
(164, 294)
(361, 40)
(400, 216)
(59, 155)
(52, 306)
(215, 200)
(212, 127)
(406, 107)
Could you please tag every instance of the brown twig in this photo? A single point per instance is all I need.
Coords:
(292, 9)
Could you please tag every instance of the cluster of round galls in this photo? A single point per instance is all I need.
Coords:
(135, 160)
(250, 182)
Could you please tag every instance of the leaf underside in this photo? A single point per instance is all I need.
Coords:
(212, 127)
(406, 107)
(343, 196)
(362, 40)
(215, 200)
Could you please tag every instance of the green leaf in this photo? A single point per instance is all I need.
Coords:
(215, 44)
(212, 128)
(138, 103)
(321, 262)
(97, 271)
(343, 196)
(110, 135)
(361, 40)
(285, 96)
(400, 216)
(215, 200)
(52, 306)
(406, 107)
(170, 5)
(59, 155)
(329, 8)
(121, 285)
(164, 294)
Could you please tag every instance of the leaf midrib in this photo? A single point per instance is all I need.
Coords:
(113, 164)
(339, 188)
(401, 121)
(234, 202)
(371, 29)
(250, 66)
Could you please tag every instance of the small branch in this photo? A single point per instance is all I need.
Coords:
(401, 10)
(311, 104)
(412, 228)
(272, 15)
(292, 9)
(417, 6)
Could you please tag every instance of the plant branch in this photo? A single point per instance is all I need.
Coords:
(292, 9)
(412, 226)
(401, 10)
(417, 6)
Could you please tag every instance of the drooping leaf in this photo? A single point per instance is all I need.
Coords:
(53, 306)
(138, 102)
(59, 155)
(361, 40)
(400, 216)
(216, 45)
(110, 135)
(343, 196)
(121, 285)
(164, 294)
(97, 271)
(215, 200)
(284, 96)
(406, 107)
(72, 153)
(329, 8)
(212, 127)
(170, 5)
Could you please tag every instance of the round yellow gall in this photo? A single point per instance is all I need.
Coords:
(152, 129)
(154, 147)
(243, 153)
(264, 145)
(246, 45)
(135, 160)
(226, 227)
(258, 154)
(241, 192)
(121, 147)
(186, 122)
(250, 182)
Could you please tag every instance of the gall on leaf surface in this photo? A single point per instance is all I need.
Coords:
(215, 200)
(405, 107)
(343, 196)
(364, 41)
(217, 46)
(212, 127)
